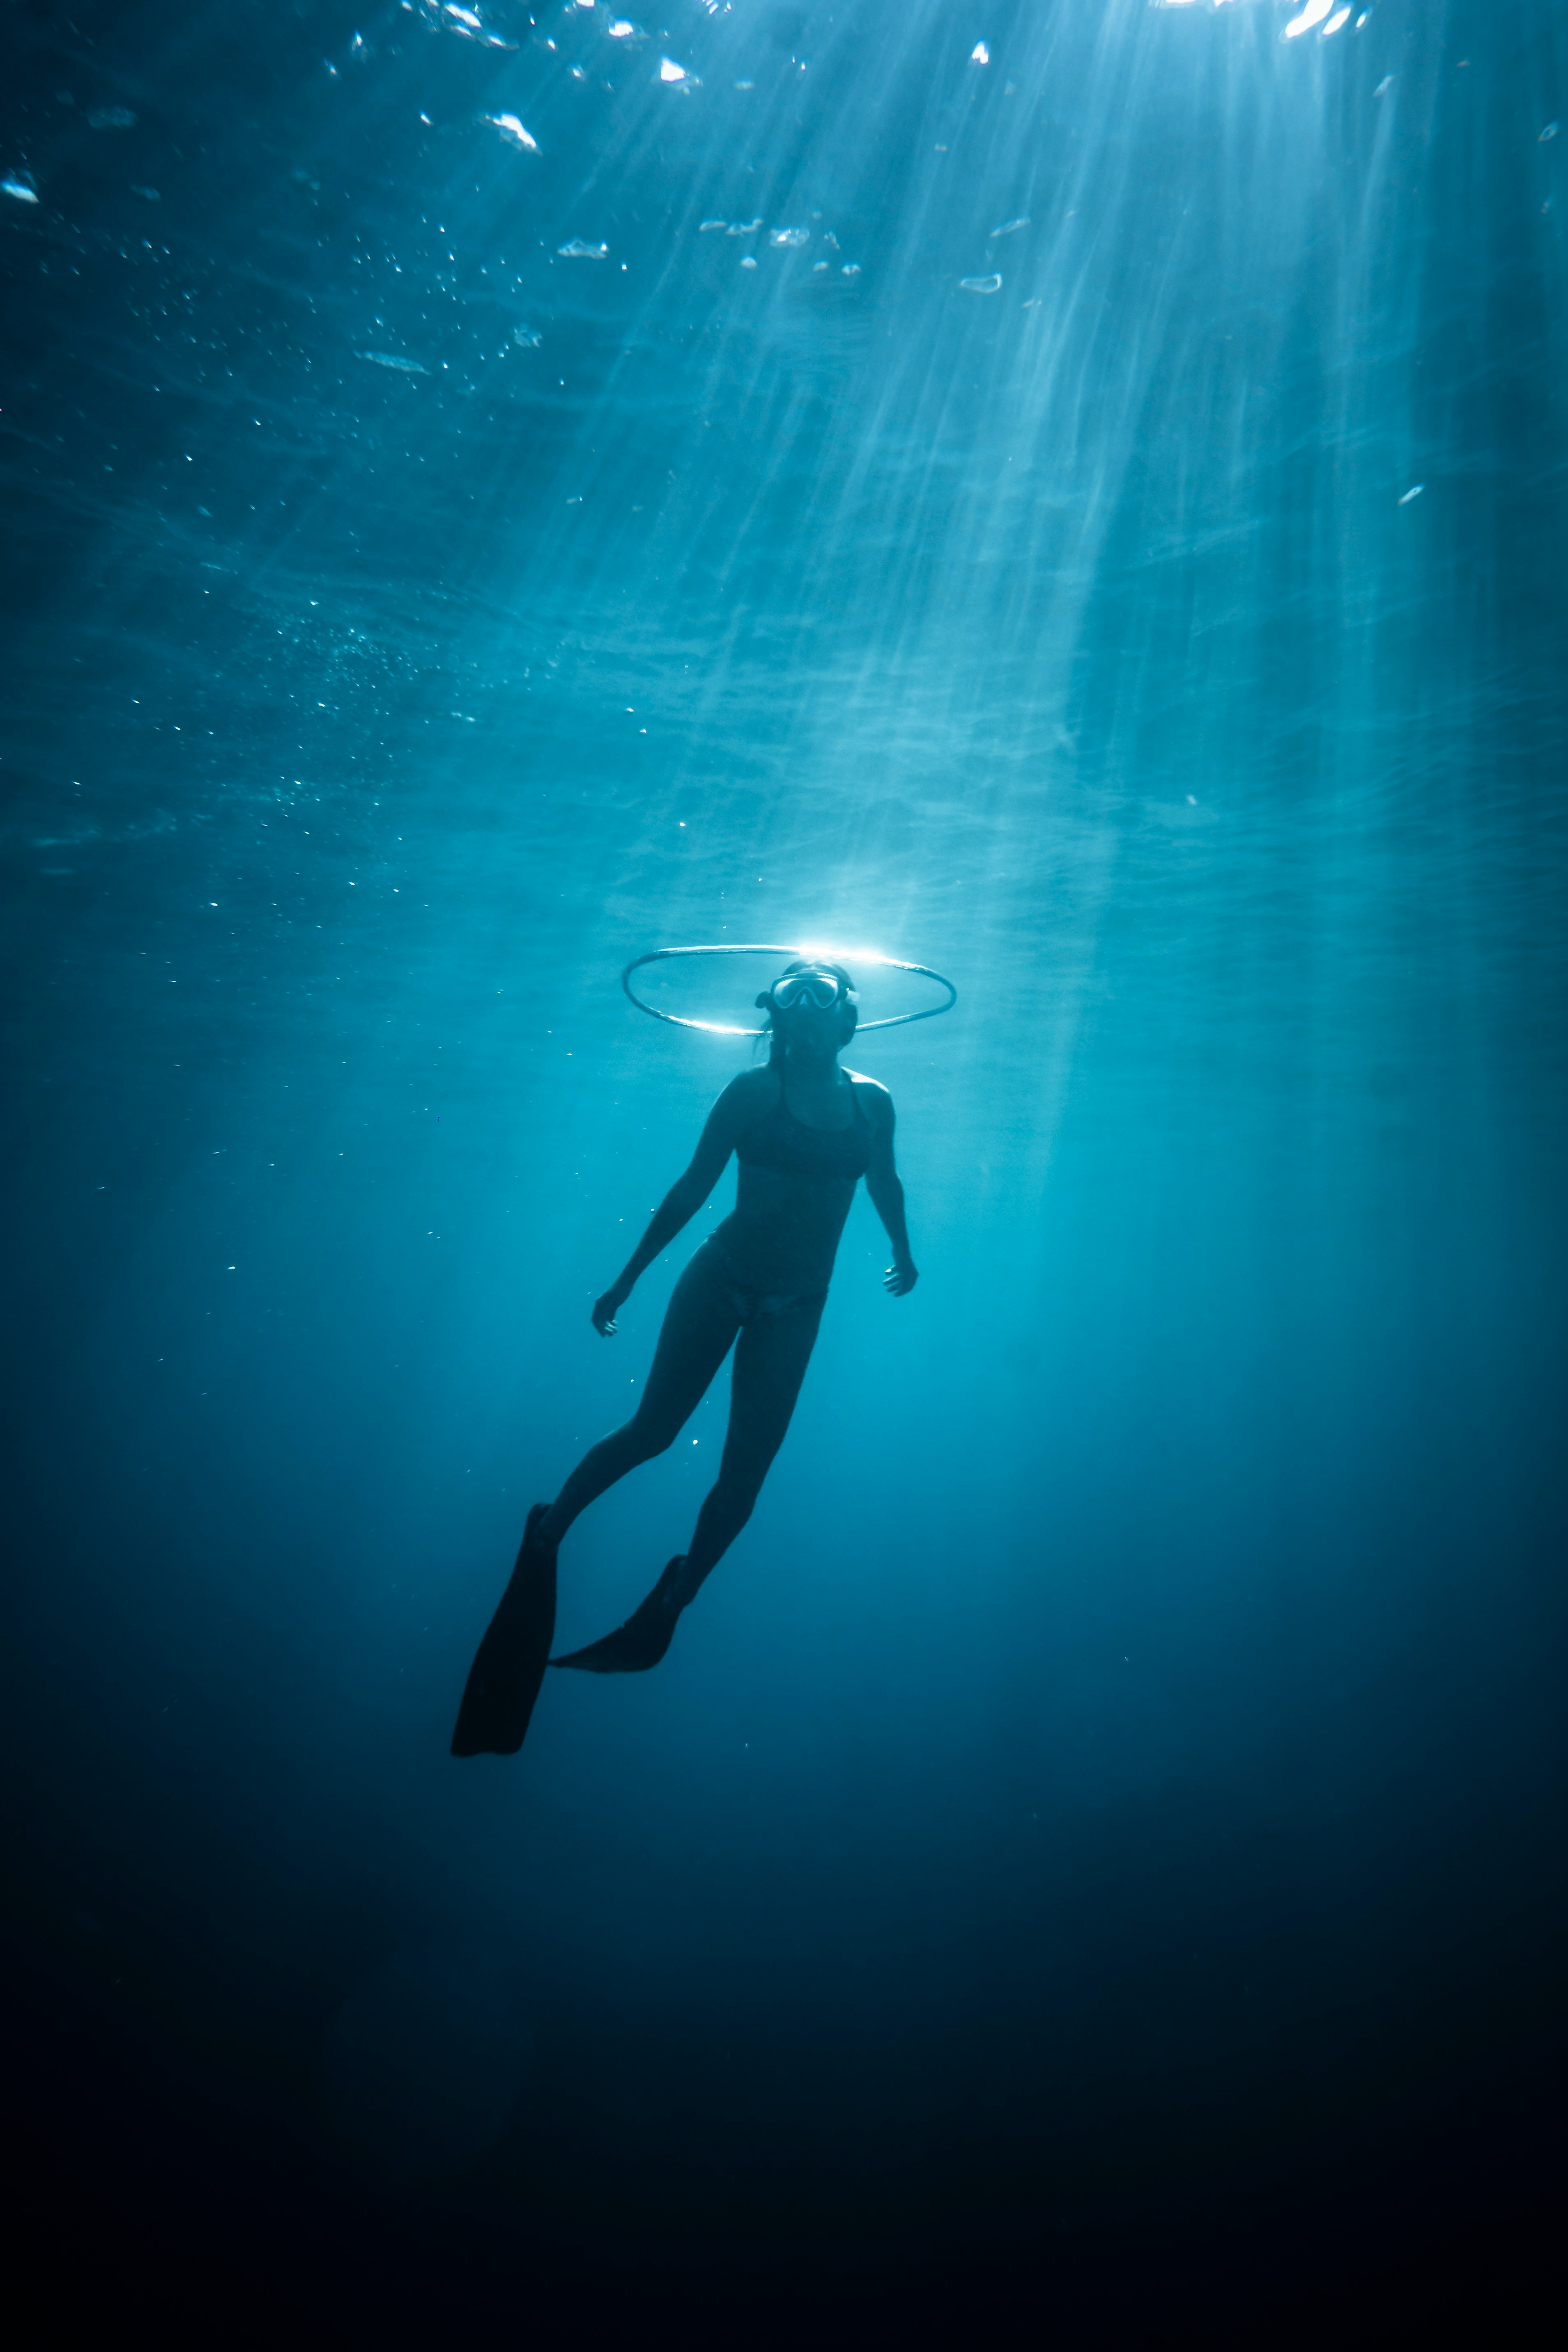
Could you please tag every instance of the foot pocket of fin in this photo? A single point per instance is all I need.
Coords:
(642, 1640)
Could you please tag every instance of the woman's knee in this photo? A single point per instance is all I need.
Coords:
(649, 1434)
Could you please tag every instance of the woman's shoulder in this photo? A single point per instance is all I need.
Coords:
(871, 1094)
(746, 1097)
(759, 1086)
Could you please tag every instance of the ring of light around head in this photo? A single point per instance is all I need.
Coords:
(728, 1029)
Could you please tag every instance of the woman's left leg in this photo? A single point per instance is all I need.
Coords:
(771, 1357)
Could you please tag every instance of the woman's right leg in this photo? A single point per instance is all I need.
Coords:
(699, 1324)
(503, 1681)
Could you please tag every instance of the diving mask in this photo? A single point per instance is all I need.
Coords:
(823, 989)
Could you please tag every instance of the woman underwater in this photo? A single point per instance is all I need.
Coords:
(804, 1132)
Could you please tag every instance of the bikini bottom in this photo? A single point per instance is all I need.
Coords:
(752, 1305)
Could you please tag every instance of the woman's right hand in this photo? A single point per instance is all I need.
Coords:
(605, 1310)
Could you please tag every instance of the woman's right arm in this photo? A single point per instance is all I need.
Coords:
(734, 1112)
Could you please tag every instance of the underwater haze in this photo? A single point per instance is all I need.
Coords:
(1071, 493)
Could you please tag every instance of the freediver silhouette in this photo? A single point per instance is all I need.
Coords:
(803, 1131)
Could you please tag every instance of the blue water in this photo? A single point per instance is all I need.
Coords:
(1072, 495)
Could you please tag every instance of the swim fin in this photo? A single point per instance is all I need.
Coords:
(643, 1640)
(508, 1664)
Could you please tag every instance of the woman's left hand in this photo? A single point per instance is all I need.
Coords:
(899, 1280)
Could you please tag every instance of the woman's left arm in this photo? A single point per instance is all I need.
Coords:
(887, 1196)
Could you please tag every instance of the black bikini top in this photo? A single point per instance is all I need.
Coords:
(780, 1141)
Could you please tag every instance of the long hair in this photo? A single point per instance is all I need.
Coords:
(809, 963)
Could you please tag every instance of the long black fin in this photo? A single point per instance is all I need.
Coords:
(508, 1664)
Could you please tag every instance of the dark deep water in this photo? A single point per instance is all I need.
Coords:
(1091, 1868)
